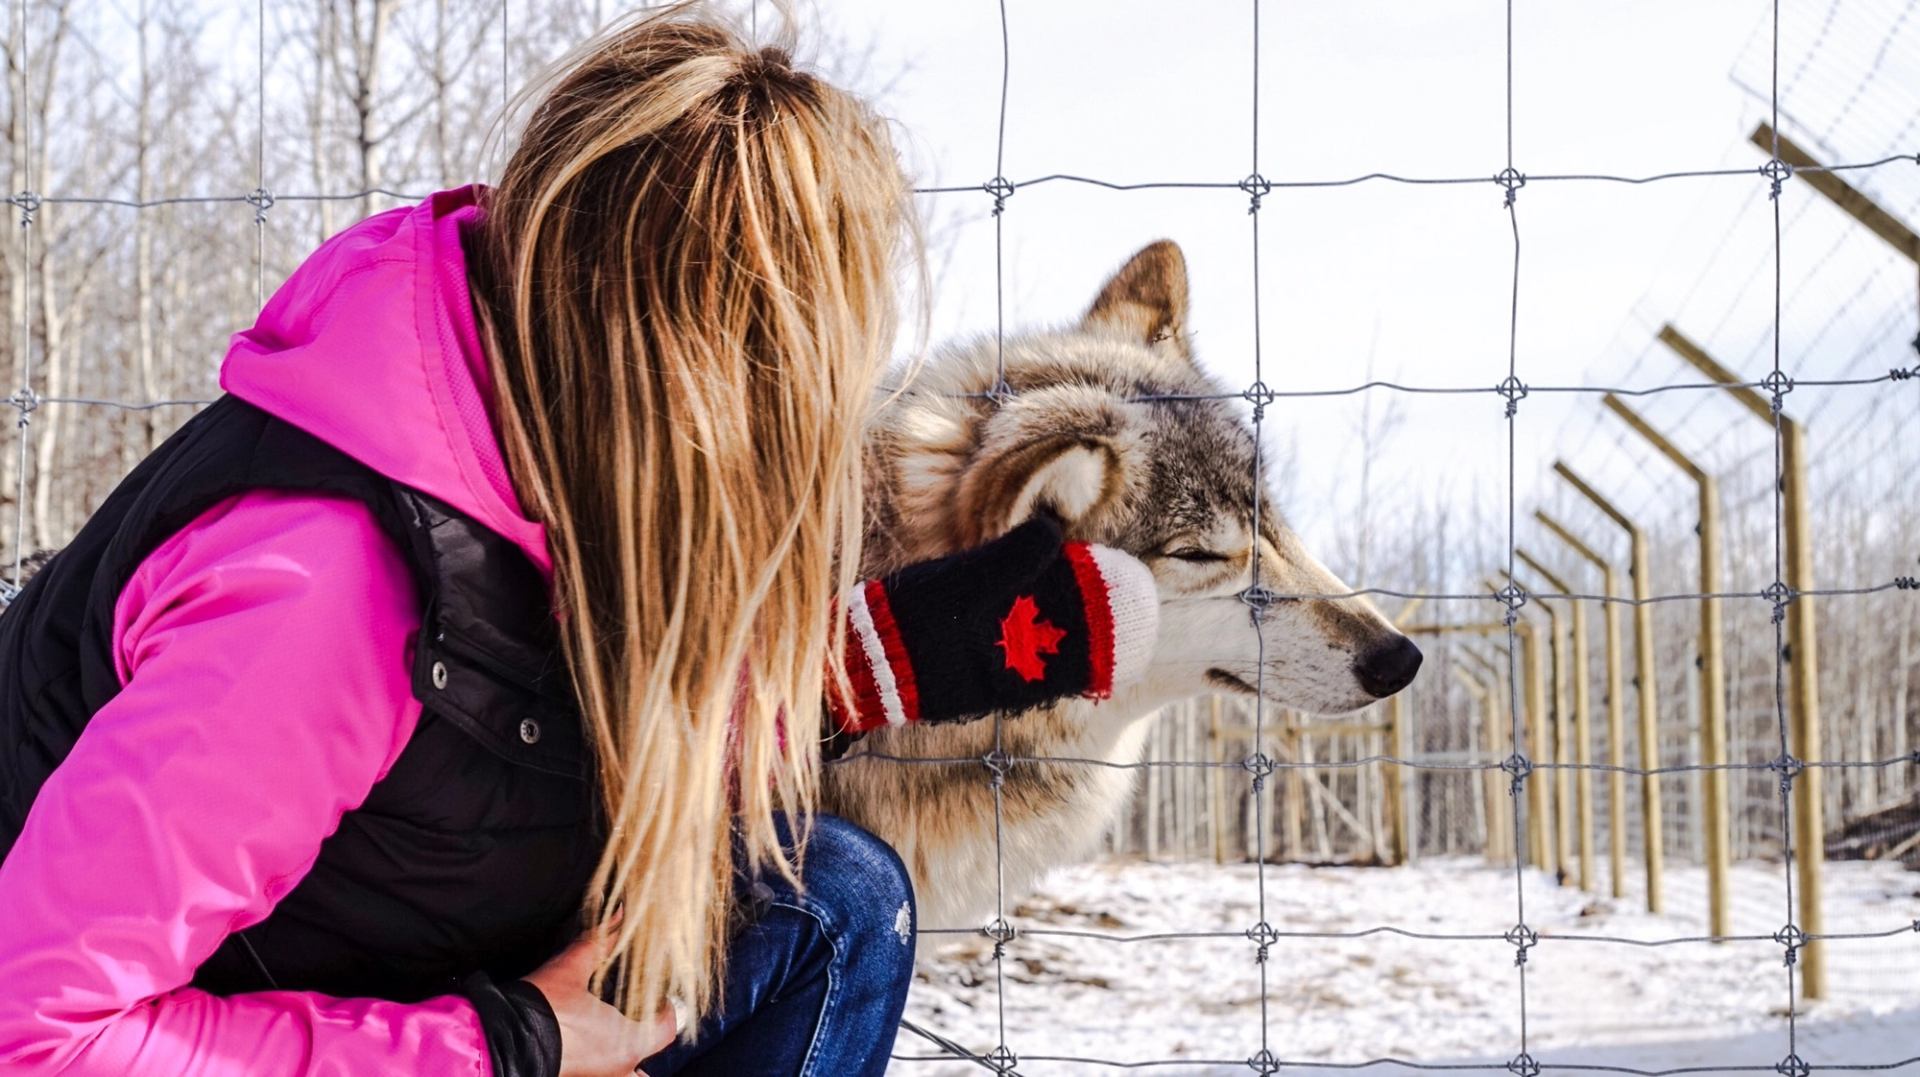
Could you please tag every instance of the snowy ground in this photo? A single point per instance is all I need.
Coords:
(1196, 1002)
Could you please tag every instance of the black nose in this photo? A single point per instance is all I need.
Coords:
(1388, 667)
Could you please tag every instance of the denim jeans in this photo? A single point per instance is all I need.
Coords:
(816, 980)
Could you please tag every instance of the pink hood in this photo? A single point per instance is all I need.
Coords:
(371, 346)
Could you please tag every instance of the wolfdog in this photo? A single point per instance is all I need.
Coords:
(1111, 425)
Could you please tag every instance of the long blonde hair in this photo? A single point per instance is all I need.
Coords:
(685, 276)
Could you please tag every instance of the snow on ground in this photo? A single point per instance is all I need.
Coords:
(1346, 1000)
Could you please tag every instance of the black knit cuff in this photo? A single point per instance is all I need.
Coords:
(523, 1036)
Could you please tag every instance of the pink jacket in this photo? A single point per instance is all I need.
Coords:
(200, 795)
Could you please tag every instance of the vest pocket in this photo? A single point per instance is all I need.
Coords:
(499, 706)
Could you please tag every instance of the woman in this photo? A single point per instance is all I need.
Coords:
(497, 598)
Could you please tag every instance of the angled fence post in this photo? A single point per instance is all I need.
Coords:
(1477, 703)
(1497, 735)
(1533, 675)
(1646, 678)
(1802, 658)
(1616, 703)
(1216, 806)
(1533, 655)
(1713, 672)
(1578, 737)
(1554, 746)
(1841, 193)
(1494, 728)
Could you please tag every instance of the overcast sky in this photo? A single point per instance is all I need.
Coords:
(1413, 282)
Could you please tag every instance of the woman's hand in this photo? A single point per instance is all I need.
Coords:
(1026, 619)
(596, 1040)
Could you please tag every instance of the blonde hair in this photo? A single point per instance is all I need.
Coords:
(685, 276)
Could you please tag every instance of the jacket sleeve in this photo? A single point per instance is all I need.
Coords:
(263, 656)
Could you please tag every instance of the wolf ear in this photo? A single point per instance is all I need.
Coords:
(1146, 300)
(1071, 483)
(1072, 451)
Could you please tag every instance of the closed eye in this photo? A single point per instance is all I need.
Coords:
(1195, 554)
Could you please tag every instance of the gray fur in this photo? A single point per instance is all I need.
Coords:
(949, 468)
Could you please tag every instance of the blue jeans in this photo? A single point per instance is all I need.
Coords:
(815, 981)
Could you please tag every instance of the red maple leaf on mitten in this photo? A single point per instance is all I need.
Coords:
(1024, 636)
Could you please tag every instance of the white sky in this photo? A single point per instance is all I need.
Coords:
(1417, 277)
(1411, 283)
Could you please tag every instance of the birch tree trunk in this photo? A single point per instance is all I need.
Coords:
(147, 422)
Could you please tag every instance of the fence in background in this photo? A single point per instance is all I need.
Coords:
(1478, 761)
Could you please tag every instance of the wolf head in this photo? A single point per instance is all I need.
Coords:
(1111, 425)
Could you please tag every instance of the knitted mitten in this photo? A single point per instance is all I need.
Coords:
(1024, 620)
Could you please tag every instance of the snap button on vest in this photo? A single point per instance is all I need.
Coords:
(529, 731)
(439, 674)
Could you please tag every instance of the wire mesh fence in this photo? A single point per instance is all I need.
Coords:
(1483, 760)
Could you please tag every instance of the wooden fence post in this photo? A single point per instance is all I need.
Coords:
(1713, 672)
(1842, 194)
(1394, 776)
(1499, 737)
(1216, 794)
(1533, 669)
(1802, 658)
(1646, 678)
(1579, 737)
(1541, 827)
(1616, 703)
(1494, 727)
(1476, 707)
(1559, 629)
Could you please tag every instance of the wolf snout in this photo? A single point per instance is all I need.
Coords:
(1387, 667)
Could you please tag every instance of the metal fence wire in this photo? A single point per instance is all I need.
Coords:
(1519, 772)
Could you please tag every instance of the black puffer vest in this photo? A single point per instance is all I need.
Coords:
(473, 853)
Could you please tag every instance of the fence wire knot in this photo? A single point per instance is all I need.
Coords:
(1792, 1066)
(29, 204)
(1259, 395)
(1002, 1059)
(1794, 940)
(1789, 768)
(1515, 391)
(261, 200)
(1512, 596)
(26, 401)
(1001, 190)
(1906, 583)
(1262, 936)
(1002, 933)
(1512, 179)
(997, 762)
(1901, 373)
(1777, 385)
(1519, 768)
(1257, 187)
(1260, 765)
(1258, 601)
(1523, 938)
(1263, 1061)
(1524, 1065)
(1781, 596)
(1777, 172)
